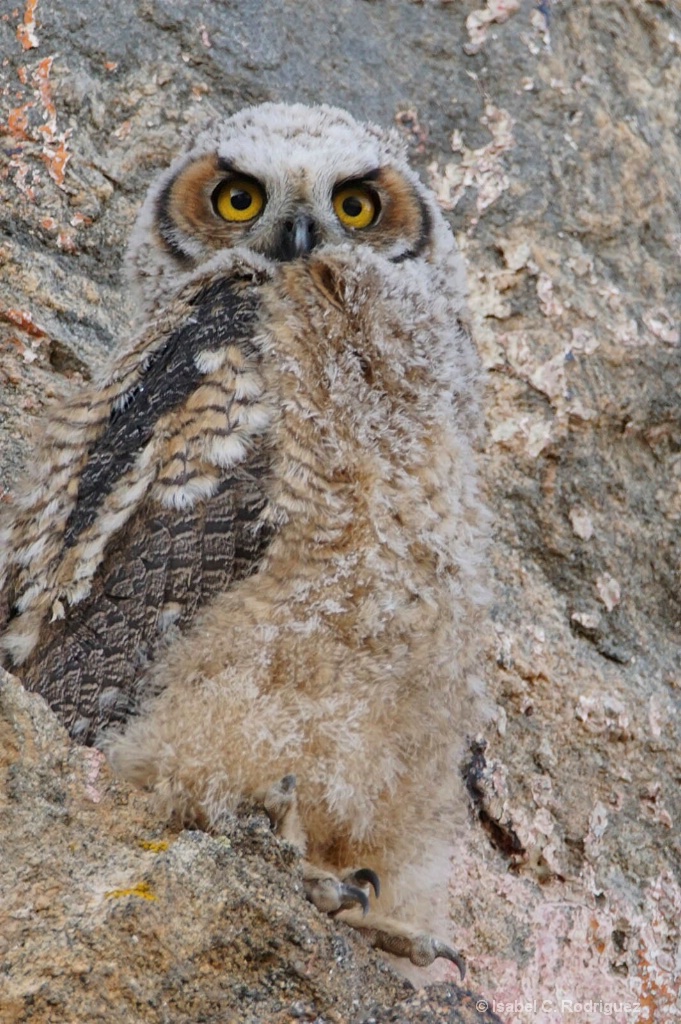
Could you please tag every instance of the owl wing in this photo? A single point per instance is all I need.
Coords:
(152, 500)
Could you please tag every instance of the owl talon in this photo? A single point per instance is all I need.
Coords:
(424, 949)
(363, 877)
(330, 895)
(279, 800)
(441, 949)
(403, 941)
(349, 896)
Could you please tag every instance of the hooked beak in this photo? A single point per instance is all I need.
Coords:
(297, 238)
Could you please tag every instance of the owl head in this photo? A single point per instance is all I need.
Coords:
(278, 182)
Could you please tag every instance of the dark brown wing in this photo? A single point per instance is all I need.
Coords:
(164, 563)
(152, 581)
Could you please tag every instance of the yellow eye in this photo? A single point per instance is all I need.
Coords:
(356, 206)
(238, 199)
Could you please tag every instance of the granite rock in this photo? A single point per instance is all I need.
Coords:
(550, 132)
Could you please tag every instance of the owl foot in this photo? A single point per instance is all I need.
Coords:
(281, 806)
(401, 940)
(366, 878)
(330, 894)
(349, 895)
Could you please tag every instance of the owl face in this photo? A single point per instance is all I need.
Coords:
(220, 202)
(282, 181)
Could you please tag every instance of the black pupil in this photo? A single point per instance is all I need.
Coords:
(241, 199)
(352, 206)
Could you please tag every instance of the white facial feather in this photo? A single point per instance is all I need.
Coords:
(286, 147)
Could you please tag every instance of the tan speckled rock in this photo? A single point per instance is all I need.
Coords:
(108, 915)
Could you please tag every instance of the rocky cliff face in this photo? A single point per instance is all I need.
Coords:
(550, 131)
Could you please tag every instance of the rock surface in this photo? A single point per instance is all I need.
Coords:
(107, 915)
(551, 133)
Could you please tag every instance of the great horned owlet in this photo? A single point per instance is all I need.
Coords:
(250, 561)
